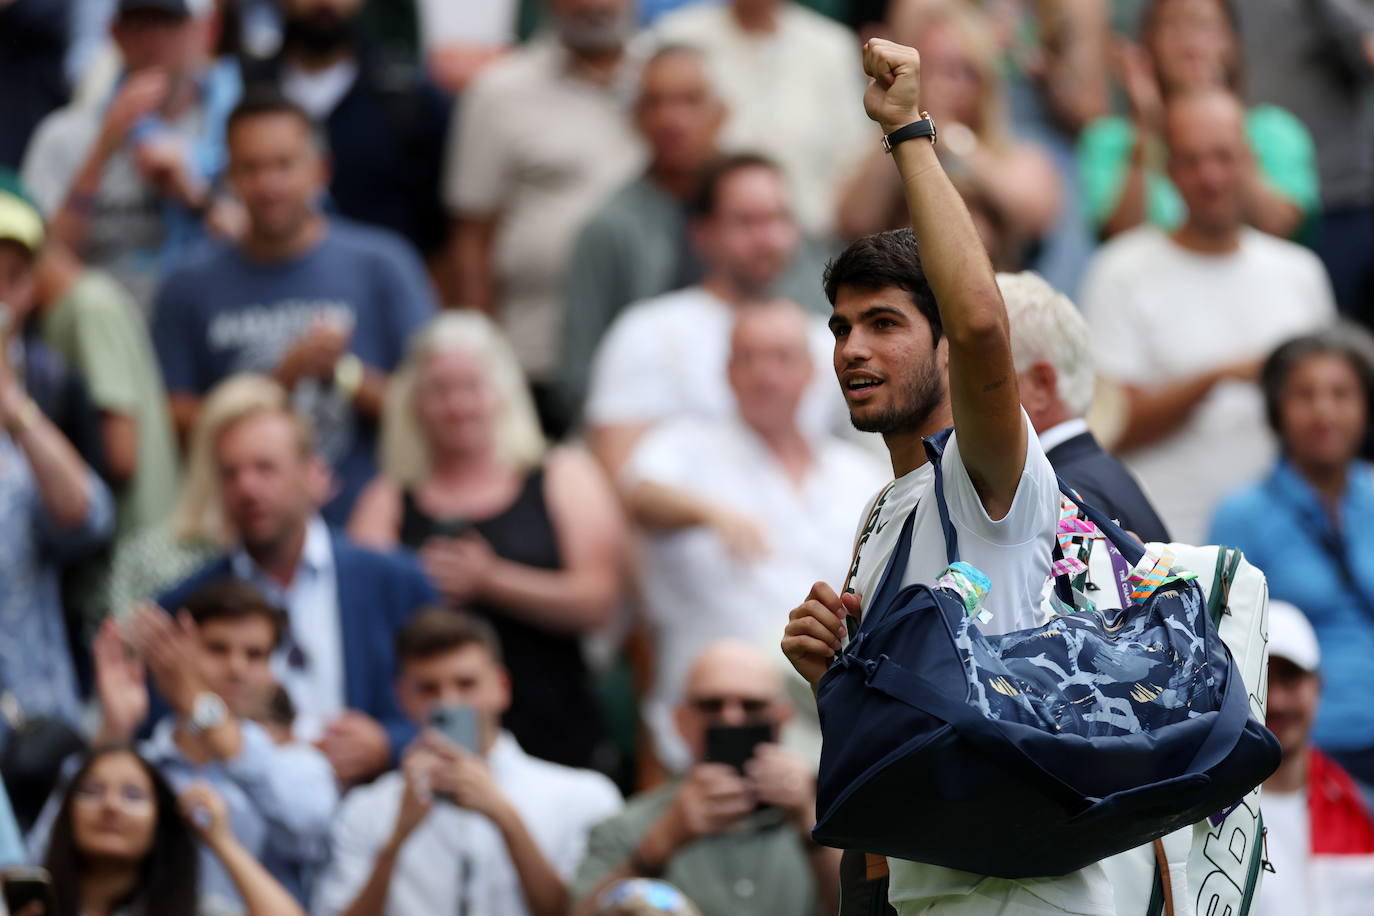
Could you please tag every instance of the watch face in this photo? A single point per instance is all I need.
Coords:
(207, 711)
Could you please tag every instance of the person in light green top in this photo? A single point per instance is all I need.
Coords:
(735, 840)
(1190, 46)
(95, 325)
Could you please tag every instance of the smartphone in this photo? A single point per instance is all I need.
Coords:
(458, 724)
(450, 528)
(733, 745)
(26, 885)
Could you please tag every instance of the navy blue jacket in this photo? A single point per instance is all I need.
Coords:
(377, 594)
(1105, 483)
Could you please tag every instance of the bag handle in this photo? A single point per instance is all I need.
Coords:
(1166, 880)
(852, 625)
(1128, 546)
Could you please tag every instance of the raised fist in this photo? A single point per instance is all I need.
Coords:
(893, 97)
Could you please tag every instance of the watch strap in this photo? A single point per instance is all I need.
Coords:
(922, 128)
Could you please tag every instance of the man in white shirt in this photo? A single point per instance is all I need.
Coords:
(1318, 835)
(1183, 321)
(665, 357)
(747, 503)
(481, 829)
(786, 73)
(542, 137)
(922, 344)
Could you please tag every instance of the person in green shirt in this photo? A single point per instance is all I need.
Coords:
(1190, 46)
(95, 325)
(737, 842)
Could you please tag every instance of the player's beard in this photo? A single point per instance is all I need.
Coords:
(917, 399)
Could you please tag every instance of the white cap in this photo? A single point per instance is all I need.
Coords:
(1291, 636)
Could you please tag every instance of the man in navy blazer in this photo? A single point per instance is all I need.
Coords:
(1052, 348)
(343, 604)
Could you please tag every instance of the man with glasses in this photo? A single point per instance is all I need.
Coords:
(735, 840)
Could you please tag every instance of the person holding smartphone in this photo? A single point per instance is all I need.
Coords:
(734, 834)
(470, 823)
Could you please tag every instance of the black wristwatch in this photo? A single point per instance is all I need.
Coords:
(922, 128)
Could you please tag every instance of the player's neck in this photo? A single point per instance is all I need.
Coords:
(906, 448)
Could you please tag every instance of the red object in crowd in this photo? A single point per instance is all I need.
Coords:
(1340, 823)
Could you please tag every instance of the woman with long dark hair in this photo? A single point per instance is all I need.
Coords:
(123, 844)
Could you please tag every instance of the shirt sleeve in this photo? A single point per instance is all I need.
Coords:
(291, 787)
(1285, 153)
(628, 382)
(593, 291)
(608, 845)
(12, 850)
(357, 836)
(663, 456)
(599, 800)
(103, 353)
(93, 530)
(178, 341)
(1104, 152)
(1323, 297)
(50, 163)
(1107, 307)
(479, 170)
(1034, 509)
(407, 298)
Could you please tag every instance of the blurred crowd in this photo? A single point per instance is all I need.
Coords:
(417, 417)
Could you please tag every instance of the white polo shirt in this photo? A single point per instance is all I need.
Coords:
(456, 860)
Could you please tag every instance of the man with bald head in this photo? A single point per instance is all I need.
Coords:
(747, 501)
(1183, 320)
(735, 839)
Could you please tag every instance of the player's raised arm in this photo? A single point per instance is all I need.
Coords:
(982, 379)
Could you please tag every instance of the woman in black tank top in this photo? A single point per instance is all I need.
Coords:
(530, 540)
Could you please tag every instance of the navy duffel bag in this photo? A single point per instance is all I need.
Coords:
(1037, 752)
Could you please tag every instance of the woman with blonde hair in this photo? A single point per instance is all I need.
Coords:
(1012, 185)
(195, 533)
(529, 538)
